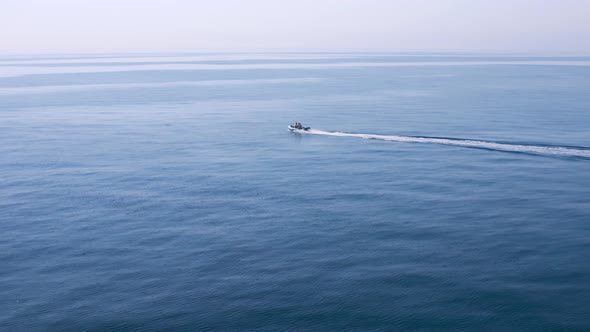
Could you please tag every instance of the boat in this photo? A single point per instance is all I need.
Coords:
(298, 127)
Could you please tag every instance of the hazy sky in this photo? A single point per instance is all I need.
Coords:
(185, 25)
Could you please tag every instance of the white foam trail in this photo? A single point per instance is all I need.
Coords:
(535, 149)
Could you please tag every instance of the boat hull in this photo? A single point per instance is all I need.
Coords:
(291, 128)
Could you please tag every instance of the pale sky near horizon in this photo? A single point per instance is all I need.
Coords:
(184, 25)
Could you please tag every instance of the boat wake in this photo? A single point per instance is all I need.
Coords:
(467, 143)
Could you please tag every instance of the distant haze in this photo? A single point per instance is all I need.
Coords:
(193, 25)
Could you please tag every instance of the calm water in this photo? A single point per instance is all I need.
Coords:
(159, 193)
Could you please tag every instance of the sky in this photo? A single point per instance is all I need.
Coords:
(557, 26)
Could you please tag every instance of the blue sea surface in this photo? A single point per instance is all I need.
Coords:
(155, 192)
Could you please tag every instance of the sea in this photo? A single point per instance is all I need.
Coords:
(164, 192)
